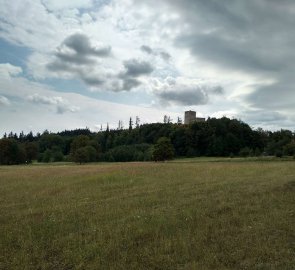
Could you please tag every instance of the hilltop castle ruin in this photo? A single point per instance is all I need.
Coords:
(190, 117)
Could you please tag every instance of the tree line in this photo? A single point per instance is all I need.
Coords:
(156, 141)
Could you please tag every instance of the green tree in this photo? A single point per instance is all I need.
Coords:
(81, 155)
(47, 156)
(163, 150)
(91, 153)
(78, 142)
(78, 152)
(48, 141)
(84, 150)
(11, 152)
(57, 156)
(130, 123)
(289, 149)
(31, 151)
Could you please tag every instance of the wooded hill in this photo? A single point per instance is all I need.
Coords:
(214, 137)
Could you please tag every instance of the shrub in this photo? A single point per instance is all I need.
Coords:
(57, 156)
(81, 155)
(163, 150)
(191, 152)
(245, 152)
(124, 153)
(279, 153)
(289, 149)
(46, 156)
(257, 152)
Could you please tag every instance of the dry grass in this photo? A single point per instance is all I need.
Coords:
(207, 215)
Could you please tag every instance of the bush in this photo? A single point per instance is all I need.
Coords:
(163, 150)
(289, 149)
(279, 154)
(191, 152)
(46, 156)
(148, 155)
(81, 155)
(83, 150)
(257, 152)
(40, 157)
(245, 152)
(91, 153)
(125, 153)
(57, 156)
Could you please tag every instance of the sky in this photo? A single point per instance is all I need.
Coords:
(67, 64)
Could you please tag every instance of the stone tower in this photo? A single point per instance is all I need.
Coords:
(189, 117)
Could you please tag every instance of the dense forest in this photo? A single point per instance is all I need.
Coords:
(157, 141)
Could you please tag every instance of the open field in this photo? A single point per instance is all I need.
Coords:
(179, 215)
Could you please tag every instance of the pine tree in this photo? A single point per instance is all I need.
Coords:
(179, 121)
(120, 125)
(137, 122)
(130, 124)
(165, 120)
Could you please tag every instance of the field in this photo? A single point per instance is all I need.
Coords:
(174, 215)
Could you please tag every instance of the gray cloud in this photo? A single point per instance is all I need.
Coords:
(129, 83)
(187, 95)
(136, 68)
(267, 118)
(277, 96)
(217, 90)
(58, 65)
(264, 116)
(73, 58)
(252, 37)
(166, 56)
(92, 80)
(133, 69)
(81, 45)
(158, 52)
(228, 54)
(146, 49)
(77, 57)
(246, 35)
(77, 50)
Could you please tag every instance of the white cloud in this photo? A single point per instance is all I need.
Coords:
(89, 112)
(7, 70)
(55, 5)
(61, 104)
(128, 25)
(4, 101)
(29, 24)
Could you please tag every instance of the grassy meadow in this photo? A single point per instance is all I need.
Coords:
(174, 215)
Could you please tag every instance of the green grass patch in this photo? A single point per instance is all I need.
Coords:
(173, 215)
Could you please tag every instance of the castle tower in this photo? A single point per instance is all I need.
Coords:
(189, 117)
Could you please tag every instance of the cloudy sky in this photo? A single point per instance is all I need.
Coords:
(68, 64)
